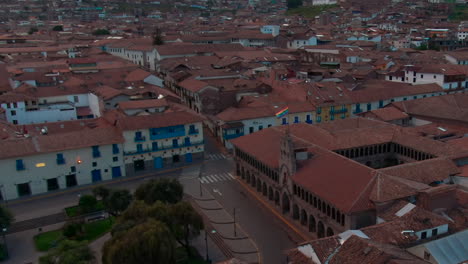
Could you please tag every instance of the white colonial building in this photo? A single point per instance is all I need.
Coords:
(161, 140)
(36, 162)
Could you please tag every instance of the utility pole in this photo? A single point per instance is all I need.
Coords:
(234, 215)
(199, 180)
(206, 246)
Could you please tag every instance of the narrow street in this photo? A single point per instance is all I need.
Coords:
(269, 233)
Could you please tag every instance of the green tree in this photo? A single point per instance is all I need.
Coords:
(101, 31)
(101, 192)
(87, 204)
(32, 30)
(58, 28)
(157, 37)
(185, 224)
(150, 242)
(6, 217)
(73, 229)
(294, 3)
(139, 211)
(69, 252)
(164, 190)
(117, 201)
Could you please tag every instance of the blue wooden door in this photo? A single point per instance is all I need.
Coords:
(175, 143)
(158, 162)
(116, 172)
(188, 157)
(187, 141)
(96, 175)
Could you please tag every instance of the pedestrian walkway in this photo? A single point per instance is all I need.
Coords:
(232, 241)
(215, 156)
(219, 177)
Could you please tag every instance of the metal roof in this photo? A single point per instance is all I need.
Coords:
(451, 249)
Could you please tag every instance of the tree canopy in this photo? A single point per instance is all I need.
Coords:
(87, 204)
(58, 28)
(294, 3)
(164, 190)
(117, 201)
(149, 242)
(101, 31)
(157, 37)
(185, 223)
(6, 217)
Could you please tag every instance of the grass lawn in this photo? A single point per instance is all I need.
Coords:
(75, 210)
(96, 229)
(47, 240)
(92, 231)
(182, 257)
(309, 11)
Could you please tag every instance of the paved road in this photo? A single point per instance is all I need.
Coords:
(263, 227)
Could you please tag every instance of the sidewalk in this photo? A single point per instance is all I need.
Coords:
(21, 246)
(219, 222)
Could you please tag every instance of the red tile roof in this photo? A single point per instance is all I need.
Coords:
(77, 139)
(349, 185)
(386, 114)
(137, 75)
(193, 85)
(143, 104)
(449, 107)
(358, 250)
(158, 120)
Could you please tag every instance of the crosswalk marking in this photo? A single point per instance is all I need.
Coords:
(215, 156)
(208, 178)
(216, 177)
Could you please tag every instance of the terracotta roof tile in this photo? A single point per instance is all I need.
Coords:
(142, 104)
(158, 120)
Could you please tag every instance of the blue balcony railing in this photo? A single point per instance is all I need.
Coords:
(231, 136)
(163, 135)
(161, 148)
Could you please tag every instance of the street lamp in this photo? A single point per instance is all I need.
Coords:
(4, 230)
(206, 244)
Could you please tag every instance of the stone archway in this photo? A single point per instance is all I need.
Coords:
(285, 203)
(320, 230)
(312, 224)
(259, 185)
(270, 194)
(303, 217)
(295, 214)
(277, 198)
(248, 177)
(254, 181)
(242, 173)
(264, 189)
(329, 232)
